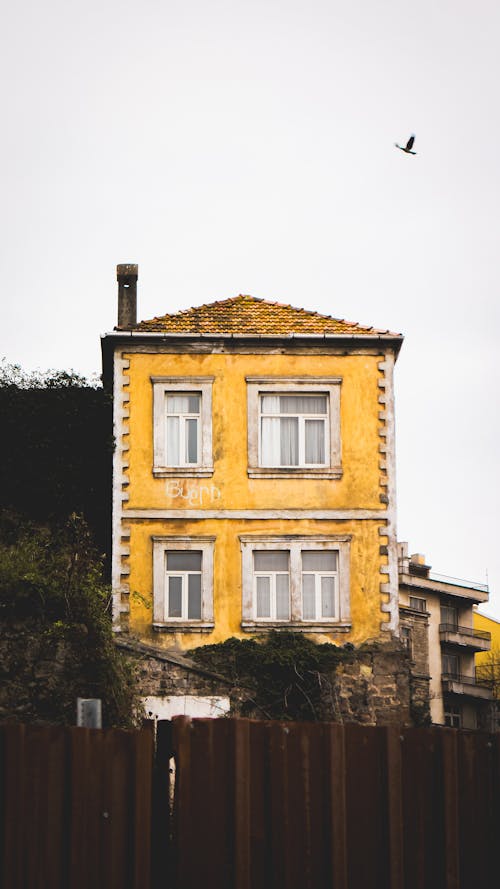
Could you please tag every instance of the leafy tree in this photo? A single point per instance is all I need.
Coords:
(56, 640)
(55, 447)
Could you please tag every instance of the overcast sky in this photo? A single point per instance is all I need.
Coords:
(248, 147)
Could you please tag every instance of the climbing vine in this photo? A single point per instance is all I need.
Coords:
(284, 676)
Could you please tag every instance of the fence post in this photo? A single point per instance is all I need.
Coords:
(242, 852)
(395, 806)
(338, 812)
(451, 821)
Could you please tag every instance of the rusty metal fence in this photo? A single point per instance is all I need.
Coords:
(75, 808)
(256, 805)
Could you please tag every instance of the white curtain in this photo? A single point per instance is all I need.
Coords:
(315, 441)
(327, 597)
(173, 455)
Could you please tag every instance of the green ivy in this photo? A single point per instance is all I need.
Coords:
(285, 676)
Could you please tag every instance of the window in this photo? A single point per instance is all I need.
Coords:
(183, 593)
(450, 664)
(293, 430)
(182, 426)
(294, 427)
(183, 583)
(319, 575)
(296, 582)
(418, 604)
(406, 639)
(272, 584)
(449, 616)
(452, 716)
(183, 429)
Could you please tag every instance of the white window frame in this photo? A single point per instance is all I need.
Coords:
(272, 591)
(318, 575)
(329, 386)
(163, 545)
(295, 545)
(163, 386)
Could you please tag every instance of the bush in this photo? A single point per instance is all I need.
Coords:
(57, 641)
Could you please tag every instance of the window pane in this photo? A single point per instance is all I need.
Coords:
(303, 404)
(328, 597)
(270, 560)
(194, 597)
(183, 404)
(270, 441)
(175, 596)
(315, 441)
(324, 560)
(449, 615)
(191, 441)
(173, 441)
(270, 404)
(282, 597)
(185, 560)
(263, 597)
(289, 441)
(308, 597)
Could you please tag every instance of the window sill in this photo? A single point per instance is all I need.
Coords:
(252, 626)
(299, 472)
(183, 627)
(183, 471)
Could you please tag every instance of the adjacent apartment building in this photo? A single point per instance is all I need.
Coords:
(441, 631)
(254, 479)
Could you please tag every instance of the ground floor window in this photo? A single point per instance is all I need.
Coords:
(295, 580)
(183, 583)
(452, 715)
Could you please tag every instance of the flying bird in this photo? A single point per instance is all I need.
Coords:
(408, 147)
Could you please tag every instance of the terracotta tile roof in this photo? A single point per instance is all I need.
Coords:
(251, 316)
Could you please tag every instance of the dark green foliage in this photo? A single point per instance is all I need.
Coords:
(286, 676)
(55, 448)
(56, 640)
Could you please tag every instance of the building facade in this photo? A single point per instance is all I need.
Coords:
(438, 626)
(254, 482)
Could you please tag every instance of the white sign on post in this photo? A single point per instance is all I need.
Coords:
(89, 712)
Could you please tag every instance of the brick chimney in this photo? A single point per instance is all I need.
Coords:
(126, 275)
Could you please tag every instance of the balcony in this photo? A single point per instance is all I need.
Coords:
(470, 686)
(474, 640)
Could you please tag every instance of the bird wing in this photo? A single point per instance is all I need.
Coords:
(409, 144)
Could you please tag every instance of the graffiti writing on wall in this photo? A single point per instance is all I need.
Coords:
(194, 496)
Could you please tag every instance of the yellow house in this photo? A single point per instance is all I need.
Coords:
(254, 473)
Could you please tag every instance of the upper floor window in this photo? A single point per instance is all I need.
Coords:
(418, 604)
(294, 427)
(296, 581)
(182, 426)
(293, 430)
(183, 432)
(449, 616)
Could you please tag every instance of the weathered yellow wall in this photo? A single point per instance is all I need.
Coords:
(365, 576)
(359, 485)
(230, 487)
(491, 626)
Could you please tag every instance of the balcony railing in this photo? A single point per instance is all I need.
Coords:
(465, 631)
(476, 680)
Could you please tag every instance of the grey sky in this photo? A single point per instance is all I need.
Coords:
(248, 147)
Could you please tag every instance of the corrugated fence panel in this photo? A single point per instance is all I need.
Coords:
(76, 808)
(320, 806)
